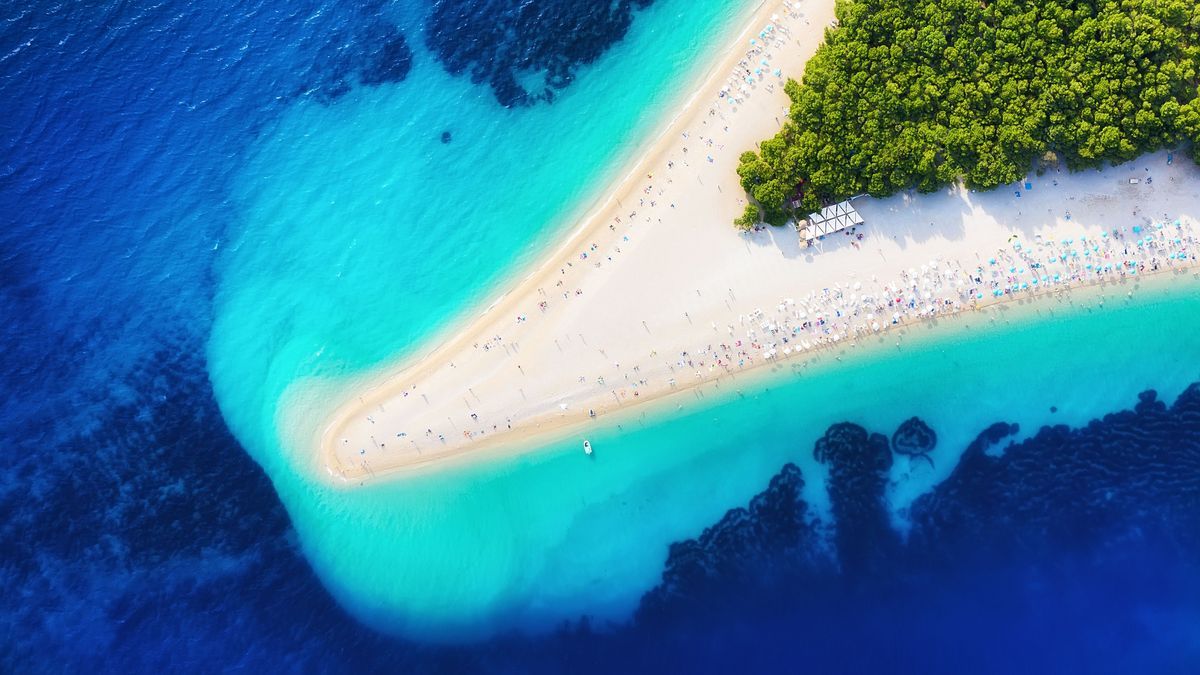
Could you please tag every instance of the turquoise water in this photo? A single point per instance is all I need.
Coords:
(359, 234)
(172, 166)
(529, 541)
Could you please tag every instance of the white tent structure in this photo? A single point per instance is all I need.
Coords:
(829, 220)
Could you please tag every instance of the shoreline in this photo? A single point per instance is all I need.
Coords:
(590, 213)
(593, 214)
(554, 430)
(587, 213)
(677, 268)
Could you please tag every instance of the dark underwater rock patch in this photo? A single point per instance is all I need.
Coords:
(858, 464)
(1129, 481)
(775, 529)
(369, 52)
(914, 438)
(146, 514)
(1134, 473)
(159, 476)
(493, 41)
(391, 62)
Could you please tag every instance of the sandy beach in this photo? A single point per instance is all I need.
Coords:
(654, 291)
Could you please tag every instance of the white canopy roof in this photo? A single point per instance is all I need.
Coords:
(829, 220)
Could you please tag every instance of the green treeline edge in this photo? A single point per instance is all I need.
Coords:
(922, 93)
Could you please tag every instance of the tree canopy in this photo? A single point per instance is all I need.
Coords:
(922, 93)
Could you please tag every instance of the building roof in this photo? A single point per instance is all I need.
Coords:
(829, 220)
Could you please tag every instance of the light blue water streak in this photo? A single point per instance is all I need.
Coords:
(362, 234)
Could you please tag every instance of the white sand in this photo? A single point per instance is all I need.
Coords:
(677, 275)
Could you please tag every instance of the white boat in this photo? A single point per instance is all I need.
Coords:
(587, 447)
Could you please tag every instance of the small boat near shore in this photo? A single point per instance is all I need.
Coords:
(587, 447)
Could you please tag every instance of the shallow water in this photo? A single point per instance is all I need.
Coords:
(528, 541)
(361, 232)
(205, 205)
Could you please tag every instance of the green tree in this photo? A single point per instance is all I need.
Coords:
(922, 93)
(748, 219)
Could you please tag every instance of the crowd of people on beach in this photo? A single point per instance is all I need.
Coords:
(840, 313)
(1021, 269)
(755, 66)
(846, 312)
(850, 311)
(753, 70)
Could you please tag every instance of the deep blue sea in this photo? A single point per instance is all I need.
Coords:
(187, 189)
